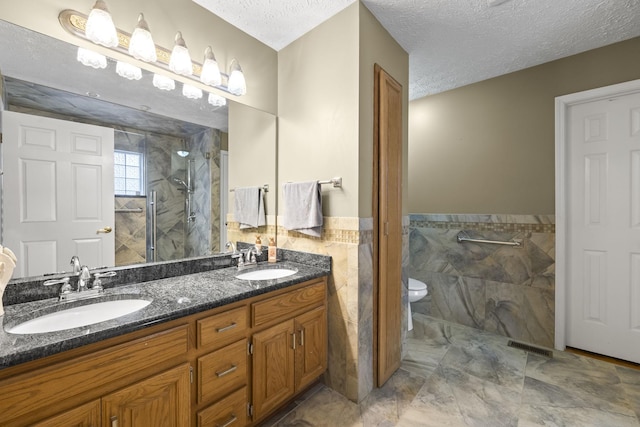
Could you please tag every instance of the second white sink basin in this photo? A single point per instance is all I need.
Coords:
(76, 317)
(266, 274)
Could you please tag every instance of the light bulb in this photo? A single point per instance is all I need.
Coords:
(128, 71)
(191, 92)
(180, 60)
(216, 100)
(237, 85)
(163, 82)
(91, 59)
(210, 74)
(100, 28)
(141, 45)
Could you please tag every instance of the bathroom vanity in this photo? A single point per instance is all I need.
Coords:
(210, 350)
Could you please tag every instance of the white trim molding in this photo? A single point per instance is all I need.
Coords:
(563, 103)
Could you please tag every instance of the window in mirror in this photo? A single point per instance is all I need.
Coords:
(129, 173)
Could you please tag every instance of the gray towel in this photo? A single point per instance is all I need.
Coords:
(303, 207)
(249, 207)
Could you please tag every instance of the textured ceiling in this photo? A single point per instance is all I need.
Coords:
(452, 43)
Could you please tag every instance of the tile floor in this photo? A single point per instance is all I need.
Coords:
(453, 375)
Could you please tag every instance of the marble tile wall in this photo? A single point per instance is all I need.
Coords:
(130, 230)
(202, 234)
(501, 289)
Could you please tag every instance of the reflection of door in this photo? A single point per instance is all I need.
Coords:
(603, 227)
(57, 194)
(388, 223)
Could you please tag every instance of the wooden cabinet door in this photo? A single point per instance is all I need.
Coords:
(159, 401)
(273, 367)
(87, 415)
(311, 349)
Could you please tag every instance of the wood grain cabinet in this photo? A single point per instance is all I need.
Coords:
(291, 354)
(207, 369)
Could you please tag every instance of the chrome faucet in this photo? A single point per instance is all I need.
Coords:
(75, 264)
(228, 245)
(247, 258)
(83, 281)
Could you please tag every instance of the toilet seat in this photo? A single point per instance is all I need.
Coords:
(416, 285)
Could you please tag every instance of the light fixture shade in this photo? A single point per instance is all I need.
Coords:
(191, 92)
(91, 59)
(210, 74)
(100, 28)
(216, 100)
(141, 45)
(163, 82)
(237, 85)
(128, 71)
(180, 60)
(182, 153)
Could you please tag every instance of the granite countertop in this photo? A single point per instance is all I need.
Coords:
(171, 298)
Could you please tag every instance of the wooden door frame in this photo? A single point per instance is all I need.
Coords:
(563, 103)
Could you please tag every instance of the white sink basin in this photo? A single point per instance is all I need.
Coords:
(76, 317)
(266, 274)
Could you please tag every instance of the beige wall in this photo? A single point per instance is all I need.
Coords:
(489, 147)
(378, 47)
(199, 27)
(252, 154)
(318, 110)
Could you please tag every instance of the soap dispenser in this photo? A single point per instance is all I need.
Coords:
(258, 245)
(273, 251)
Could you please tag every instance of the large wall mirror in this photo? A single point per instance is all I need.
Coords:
(165, 181)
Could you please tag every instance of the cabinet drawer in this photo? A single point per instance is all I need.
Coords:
(223, 328)
(287, 305)
(222, 371)
(229, 412)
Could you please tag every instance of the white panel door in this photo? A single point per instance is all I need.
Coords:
(57, 193)
(604, 228)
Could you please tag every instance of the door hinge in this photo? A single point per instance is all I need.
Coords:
(0, 138)
(191, 374)
(249, 348)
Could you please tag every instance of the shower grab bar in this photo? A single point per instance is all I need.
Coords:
(265, 188)
(464, 237)
(129, 210)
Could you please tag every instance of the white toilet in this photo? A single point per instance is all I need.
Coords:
(417, 291)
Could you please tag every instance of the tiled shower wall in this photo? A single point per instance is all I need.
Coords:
(501, 289)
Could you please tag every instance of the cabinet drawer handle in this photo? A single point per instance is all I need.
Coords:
(293, 340)
(302, 337)
(226, 328)
(114, 421)
(227, 372)
(228, 423)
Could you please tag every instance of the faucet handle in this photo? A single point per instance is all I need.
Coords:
(66, 287)
(97, 279)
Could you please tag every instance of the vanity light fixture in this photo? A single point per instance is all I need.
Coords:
(210, 74)
(237, 85)
(128, 71)
(141, 45)
(216, 100)
(191, 92)
(91, 59)
(100, 28)
(163, 82)
(180, 61)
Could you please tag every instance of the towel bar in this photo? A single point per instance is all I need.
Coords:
(265, 188)
(129, 210)
(337, 182)
(464, 237)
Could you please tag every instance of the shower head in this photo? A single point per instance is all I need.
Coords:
(180, 183)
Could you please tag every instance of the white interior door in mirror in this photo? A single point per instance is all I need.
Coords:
(57, 193)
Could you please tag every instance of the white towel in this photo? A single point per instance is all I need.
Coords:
(303, 207)
(249, 207)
